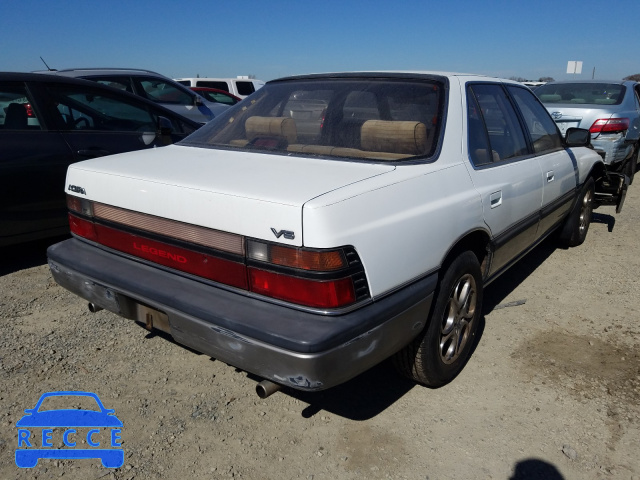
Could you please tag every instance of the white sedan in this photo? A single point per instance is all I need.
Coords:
(332, 221)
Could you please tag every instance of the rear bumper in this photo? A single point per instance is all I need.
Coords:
(303, 350)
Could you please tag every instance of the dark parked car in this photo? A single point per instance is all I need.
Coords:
(216, 95)
(152, 86)
(48, 122)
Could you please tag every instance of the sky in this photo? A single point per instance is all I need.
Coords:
(276, 38)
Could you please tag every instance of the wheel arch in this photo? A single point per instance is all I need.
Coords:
(476, 241)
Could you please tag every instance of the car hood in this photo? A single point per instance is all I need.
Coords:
(245, 193)
(69, 418)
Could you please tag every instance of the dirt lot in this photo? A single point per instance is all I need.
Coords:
(552, 390)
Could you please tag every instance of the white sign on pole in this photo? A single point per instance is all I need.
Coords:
(574, 66)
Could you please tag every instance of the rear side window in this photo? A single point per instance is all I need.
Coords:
(213, 84)
(245, 88)
(542, 129)
(16, 109)
(505, 135)
(380, 119)
(588, 93)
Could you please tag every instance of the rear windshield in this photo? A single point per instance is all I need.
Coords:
(581, 93)
(375, 119)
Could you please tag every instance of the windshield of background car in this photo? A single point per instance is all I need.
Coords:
(582, 93)
(372, 119)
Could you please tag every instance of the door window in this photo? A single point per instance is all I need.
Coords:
(505, 135)
(120, 83)
(83, 108)
(16, 109)
(542, 129)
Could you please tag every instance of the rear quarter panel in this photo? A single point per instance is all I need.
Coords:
(401, 230)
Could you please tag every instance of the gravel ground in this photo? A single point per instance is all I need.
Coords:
(552, 390)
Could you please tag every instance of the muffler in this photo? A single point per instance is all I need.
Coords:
(93, 308)
(266, 388)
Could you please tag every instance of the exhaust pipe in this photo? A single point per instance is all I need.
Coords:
(266, 388)
(93, 308)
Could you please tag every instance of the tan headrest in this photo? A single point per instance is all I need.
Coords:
(283, 127)
(407, 137)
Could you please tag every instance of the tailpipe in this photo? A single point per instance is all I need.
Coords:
(267, 388)
(93, 308)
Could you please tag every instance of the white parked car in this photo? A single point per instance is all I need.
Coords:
(241, 86)
(308, 256)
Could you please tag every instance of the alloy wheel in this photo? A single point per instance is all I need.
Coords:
(458, 318)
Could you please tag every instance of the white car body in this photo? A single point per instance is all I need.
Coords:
(406, 221)
(241, 86)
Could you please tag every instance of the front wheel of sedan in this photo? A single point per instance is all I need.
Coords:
(436, 356)
(574, 231)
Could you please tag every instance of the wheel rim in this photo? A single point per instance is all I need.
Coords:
(458, 319)
(585, 212)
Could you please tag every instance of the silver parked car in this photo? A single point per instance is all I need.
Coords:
(609, 109)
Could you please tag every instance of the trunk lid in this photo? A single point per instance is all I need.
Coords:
(567, 116)
(245, 193)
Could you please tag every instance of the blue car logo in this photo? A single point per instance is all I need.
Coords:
(92, 424)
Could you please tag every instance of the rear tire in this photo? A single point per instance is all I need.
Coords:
(574, 231)
(438, 355)
(632, 165)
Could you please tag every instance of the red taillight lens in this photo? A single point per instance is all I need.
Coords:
(83, 228)
(610, 125)
(29, 110)
(313, 293)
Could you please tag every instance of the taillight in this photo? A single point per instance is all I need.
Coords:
(317, 260)
(316, 278)
(30, 113)
(304, 291)
(83, 228)
(610, 125)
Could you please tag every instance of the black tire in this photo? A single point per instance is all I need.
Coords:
(576, 226)
(440, 352)
(632, 165)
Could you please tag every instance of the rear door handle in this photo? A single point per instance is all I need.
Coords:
(495, 199)
(550, 176)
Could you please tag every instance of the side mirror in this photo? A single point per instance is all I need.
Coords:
(578, 137)
(197, 101)
(165, 127)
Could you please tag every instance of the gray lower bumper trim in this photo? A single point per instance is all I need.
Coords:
(303, 350)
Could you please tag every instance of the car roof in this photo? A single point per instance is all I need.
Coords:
(619, 82)
(385, 73)
(106, 71)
